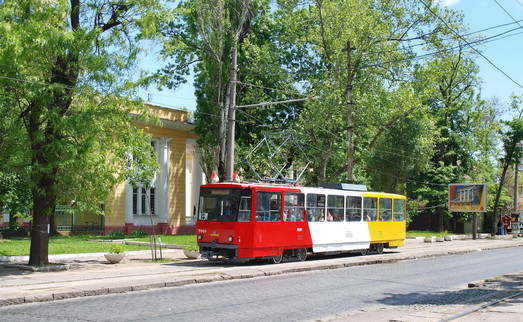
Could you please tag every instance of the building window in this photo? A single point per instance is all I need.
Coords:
(151, 200)
(135, 201)
(143, 201)
(143, 198)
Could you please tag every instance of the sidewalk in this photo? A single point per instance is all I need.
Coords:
(92, 274)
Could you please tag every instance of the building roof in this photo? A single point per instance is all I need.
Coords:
(171, 119)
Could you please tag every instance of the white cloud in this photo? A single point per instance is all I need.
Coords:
(448, 3)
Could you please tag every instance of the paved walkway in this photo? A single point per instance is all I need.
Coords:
(92, 274)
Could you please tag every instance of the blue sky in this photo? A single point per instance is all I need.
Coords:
(501, 68)
(502, 55)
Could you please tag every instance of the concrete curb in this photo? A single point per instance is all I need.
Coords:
(49, 268)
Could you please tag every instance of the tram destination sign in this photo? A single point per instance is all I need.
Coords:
(468, 197)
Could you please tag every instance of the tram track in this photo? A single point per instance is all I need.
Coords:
(482, 307)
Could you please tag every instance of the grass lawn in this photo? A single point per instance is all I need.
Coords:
(172, 239)
(83, 244)
(427, 233)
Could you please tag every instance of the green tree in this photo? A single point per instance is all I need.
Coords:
(511, 137)
(449, 85)
(381, 79)
(66, 86)
(200, 40)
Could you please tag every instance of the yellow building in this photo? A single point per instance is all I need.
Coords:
(169, 205)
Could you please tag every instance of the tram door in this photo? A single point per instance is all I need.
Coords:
(267, 235)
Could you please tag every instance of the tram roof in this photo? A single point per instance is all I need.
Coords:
(323, 188)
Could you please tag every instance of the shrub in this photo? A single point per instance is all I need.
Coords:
(139, 233)
(116, 234)
(117, 249)
(191, 248)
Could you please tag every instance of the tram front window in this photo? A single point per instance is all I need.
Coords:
(222, 204)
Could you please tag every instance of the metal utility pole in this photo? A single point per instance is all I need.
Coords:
(350, 125)
(229, 166)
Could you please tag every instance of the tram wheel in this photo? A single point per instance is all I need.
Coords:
(379, 248)
(277, 259)
(364, 252)
(301, 253)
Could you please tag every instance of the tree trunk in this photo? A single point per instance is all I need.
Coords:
(44, 202)
(39, 253)
(440, 214)
(493, 228)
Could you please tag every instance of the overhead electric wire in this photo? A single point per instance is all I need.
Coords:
(469, 43)
(442, 51)
(416, 57)
(466, 42)
(508, 14)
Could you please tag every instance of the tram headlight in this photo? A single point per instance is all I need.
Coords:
(231, 239)
(200, 237)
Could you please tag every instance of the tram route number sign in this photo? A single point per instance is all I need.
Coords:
(468, 197)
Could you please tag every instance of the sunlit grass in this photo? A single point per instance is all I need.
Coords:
(427, 233)
(172, 239)
(14, 247)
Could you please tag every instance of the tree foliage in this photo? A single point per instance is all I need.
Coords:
(200, 40)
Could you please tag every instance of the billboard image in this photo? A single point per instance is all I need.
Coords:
(465, 197)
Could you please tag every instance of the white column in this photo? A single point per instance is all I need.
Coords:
(128, 203)
(193, 179)
(162, 181)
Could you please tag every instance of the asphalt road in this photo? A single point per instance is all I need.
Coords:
(302, 296)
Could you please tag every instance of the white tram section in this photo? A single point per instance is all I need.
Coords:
(338, 236)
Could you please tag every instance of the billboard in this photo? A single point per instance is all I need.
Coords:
(468, 197)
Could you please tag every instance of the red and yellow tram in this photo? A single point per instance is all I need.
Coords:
(245, 221)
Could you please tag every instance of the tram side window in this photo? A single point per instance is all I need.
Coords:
(244, 213)
(268, 205)
(369, 208)
(385, 209)
(335, 208)
(293, 206)
(399, 210)
(353, 208)
(315, 207)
